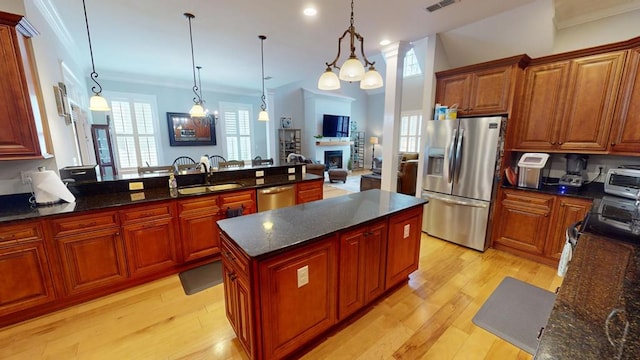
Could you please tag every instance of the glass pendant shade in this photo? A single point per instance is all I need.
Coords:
(371, 80)
(263, 116)
(98, 103)
(197, 111)
(352, 70)
(328, 81)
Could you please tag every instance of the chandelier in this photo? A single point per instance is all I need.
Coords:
(97, 102)
(264, 115)
(197, 110)
(352, 69)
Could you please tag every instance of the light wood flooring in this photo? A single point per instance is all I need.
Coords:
(429, 318)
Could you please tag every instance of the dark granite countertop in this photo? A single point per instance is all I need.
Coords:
(268, 232)
(17, 207)
(589, 191)
(604, 275)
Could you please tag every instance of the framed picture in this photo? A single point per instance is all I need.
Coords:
(185, 130)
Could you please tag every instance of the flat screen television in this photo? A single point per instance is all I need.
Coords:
(335, 125)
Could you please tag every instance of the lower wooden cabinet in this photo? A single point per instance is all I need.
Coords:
(363, 252)
(532, 224)
(26, 278)
(403, 248)
(198, 229)
(307, 191)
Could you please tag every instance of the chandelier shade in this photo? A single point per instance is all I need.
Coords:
(97, 102)
(352, 69)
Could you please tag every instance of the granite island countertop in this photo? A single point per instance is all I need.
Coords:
(269, 232)
(602, 282)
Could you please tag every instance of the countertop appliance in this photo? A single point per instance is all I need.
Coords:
(575, 170)
(461, 171)
(276, 197)
(530, 168)
(623, 182)
(614, 217)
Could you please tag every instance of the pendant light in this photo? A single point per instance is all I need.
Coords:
(97, 102)
(197, 110)
(352, 69)
(264, 115)
(205, 120)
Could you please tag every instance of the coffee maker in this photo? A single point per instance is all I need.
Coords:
(575, 168)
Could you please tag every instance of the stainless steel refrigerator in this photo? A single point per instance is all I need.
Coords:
(460, 173)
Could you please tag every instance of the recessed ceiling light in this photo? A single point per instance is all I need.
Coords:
(385, 42)
(310, 11)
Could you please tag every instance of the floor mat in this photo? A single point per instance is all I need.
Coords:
(515, 312)
(202, 277)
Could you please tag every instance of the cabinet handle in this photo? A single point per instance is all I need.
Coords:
(229, 255)
(560, 143)
(233, 276)
(553, 143)
(613, 143)
(546, 214)
(117, 233)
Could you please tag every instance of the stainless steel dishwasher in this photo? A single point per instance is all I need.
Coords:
(276, 197)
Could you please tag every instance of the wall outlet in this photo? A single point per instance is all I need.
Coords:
(303, 276)
(25, 176)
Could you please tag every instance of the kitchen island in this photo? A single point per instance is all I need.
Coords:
(292, 275)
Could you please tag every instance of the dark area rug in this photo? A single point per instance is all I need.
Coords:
(515, 312)
(202, 277)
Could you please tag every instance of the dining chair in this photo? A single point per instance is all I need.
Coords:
(261, 162)
(214, 160)
(231, 164)
(155, 169)
(184, 163)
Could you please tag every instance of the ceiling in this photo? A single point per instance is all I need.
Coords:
(149, 39)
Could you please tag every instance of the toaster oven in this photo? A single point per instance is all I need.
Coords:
(622, 182)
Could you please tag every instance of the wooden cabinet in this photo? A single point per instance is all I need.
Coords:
(198, 229)
(533, 225)
(307, 191)
(363, 252)
(297, 297)
(569, 105)
(403, 246)
(481, 89)
(91, 251)
(245, 199)
(625, 132)
(150, 238)
(26, 278)
(19, 107)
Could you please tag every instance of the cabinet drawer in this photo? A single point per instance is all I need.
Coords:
(146, 213)
(245, 199)
(234, 257)
(523, 199)
(77, 224)
(13, 234)
(200, 204)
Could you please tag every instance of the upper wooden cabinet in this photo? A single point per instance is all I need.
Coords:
(18, 113)
(625, 131)
(569, 105)
(481, 89)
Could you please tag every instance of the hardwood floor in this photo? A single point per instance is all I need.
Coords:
(430, 318)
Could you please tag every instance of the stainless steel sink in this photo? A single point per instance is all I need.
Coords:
(207, 188)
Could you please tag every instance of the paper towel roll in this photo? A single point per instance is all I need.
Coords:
(48, 188)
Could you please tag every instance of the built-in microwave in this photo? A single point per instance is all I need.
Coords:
(622, 182)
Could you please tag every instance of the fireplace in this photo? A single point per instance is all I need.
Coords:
(333, 159)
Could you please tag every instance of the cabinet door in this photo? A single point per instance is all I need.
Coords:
(351, 282)
(245, 199)
(489, 92)
(567, 211)
(403, 246)
(524, 221)
(18, 138)
(151, 246)
(454, 89)
(198, 229)
(593, 84)
(298, 297)
(26, 279)
(540, 111)
(625, 132)
(375, 254)
(92, 260)
(309, 191)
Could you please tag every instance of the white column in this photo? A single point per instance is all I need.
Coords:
(394, 57)
(428, 99)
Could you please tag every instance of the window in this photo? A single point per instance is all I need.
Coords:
(135, 130)
(410, 131)
(237, 123)
(411, 66)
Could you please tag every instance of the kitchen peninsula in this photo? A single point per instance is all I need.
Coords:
(293, 274)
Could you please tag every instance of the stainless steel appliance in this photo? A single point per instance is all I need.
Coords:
(276, 197)
(575, 170)
(461, 167)
(623, 182)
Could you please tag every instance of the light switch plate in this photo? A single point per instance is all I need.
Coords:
(303, 276)
(259, 181)
(407, 229)
(292, 177)
(136, 186)
(291, 170)
(259, 173)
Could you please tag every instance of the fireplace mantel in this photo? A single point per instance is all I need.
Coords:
(334, 143)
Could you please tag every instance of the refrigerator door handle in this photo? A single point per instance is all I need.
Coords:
(454, 202)
(452, 147)
(458, 155)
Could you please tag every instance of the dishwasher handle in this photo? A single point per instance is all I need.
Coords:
(276, 189)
